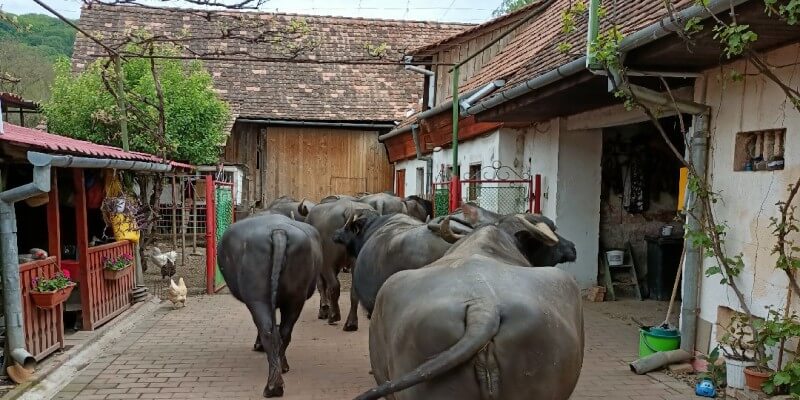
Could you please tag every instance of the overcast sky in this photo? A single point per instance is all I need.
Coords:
(472, 11)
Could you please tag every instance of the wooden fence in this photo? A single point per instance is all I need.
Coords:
(44, 329)
(101, 299)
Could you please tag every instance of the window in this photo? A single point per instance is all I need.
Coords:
(474, 175)
(421, 182)
(759, 150)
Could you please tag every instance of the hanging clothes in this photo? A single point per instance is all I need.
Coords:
(634, 197)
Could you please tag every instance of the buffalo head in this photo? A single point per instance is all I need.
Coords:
(351, 235)
(536, 234)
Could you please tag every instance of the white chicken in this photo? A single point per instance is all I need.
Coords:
(177, 293)
(165, 261)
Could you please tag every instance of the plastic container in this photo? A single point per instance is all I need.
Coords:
(615, 257)
(734, 372)
(653, 340)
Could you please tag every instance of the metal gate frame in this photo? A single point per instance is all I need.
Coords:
(215, 229)
(495, 174)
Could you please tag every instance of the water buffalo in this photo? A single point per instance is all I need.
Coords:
(385, 245)
(271, 262)
(476, 324)
(386, 203)
(327, 217)
(288, 206)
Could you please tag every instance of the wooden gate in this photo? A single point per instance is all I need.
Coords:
(103, 299)
(44, 329)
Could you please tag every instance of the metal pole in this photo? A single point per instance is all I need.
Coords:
(693, 263)
(592, 32)
(194, 216)
(455, 193)
(123, 119)
(174, 213)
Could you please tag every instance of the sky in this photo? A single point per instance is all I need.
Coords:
(471, 11)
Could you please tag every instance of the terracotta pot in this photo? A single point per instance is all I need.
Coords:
(48, 300)
(755, 378)
(113, 275)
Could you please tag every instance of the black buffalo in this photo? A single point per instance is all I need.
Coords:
(385, 245)
(271, 262)
(479, 323)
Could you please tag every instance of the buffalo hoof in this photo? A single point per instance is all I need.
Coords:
(285, 366)
(276, 391)
(258, 347)
(350, 327)
(334, 319)
(323, 312)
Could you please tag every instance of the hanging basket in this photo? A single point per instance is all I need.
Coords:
(49, 300)
(115, 274)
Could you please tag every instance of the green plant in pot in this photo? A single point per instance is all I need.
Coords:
(735, 344)
(769, 333)
(715, 369)
(777, 329)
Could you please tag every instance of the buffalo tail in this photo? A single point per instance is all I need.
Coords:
(482, 324)
(278, 259)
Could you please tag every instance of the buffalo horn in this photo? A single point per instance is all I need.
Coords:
(349, 221)
(541, 231)
(447, 234)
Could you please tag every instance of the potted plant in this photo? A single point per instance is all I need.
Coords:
(114, 267)
(735, 345)
(47, 293)
(778, 329)
(768, 333)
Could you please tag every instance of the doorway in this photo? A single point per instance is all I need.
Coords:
(400, 183)
(639, 206)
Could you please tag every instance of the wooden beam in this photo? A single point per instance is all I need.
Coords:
(82, 230)
(54, 219)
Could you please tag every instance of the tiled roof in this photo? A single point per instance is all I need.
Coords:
(535, 49)
(501, 21)
(288, 90)
(18, 135)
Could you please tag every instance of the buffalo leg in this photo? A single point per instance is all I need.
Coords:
(324, 307)
(333, 290)
(351, 325)
(271, 340)
(257, 346)
(289, 316)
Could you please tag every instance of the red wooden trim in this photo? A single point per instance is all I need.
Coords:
(54, 219)
(44, 329)
(108, 298)
(537, 192)
(211, 247)
(81, 224)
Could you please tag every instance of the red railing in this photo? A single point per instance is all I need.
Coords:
(101, 299)
(44, 329)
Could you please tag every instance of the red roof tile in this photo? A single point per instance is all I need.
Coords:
(287, 90)
(535, 49)
(18, 135)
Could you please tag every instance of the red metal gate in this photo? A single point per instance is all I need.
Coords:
(497, 188)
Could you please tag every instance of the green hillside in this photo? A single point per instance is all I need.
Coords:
(28, 51)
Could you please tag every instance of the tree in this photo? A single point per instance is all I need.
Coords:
(84, 106)
(509, 6)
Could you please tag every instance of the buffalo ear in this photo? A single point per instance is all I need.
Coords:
(302, 209)
(476, 215)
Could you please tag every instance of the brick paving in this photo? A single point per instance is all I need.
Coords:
(204, 351)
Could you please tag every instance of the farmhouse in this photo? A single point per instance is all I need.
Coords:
(306, 127)
(608, 177)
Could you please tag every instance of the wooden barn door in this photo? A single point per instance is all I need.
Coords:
(400, 184)
(314, 163)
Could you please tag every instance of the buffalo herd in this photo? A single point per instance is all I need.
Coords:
(462, 306)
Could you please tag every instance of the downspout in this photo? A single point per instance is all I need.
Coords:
(427, 159)
(12, 293)
(698, 151)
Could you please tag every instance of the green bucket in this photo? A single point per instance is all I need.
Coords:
(654, 339)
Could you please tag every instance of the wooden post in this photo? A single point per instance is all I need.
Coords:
(54, 219)
(174, 214)
(82, 230)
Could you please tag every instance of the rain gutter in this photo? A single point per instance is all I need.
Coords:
(12, 293)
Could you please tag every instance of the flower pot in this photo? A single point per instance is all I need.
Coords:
(113, 274)
(48, 300)
(734, 372)
(755, 378)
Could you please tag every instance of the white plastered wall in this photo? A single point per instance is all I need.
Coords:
(412, 184)
(748, 198)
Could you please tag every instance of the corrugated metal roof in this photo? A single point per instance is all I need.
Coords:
(47, 141)
(15, 100)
